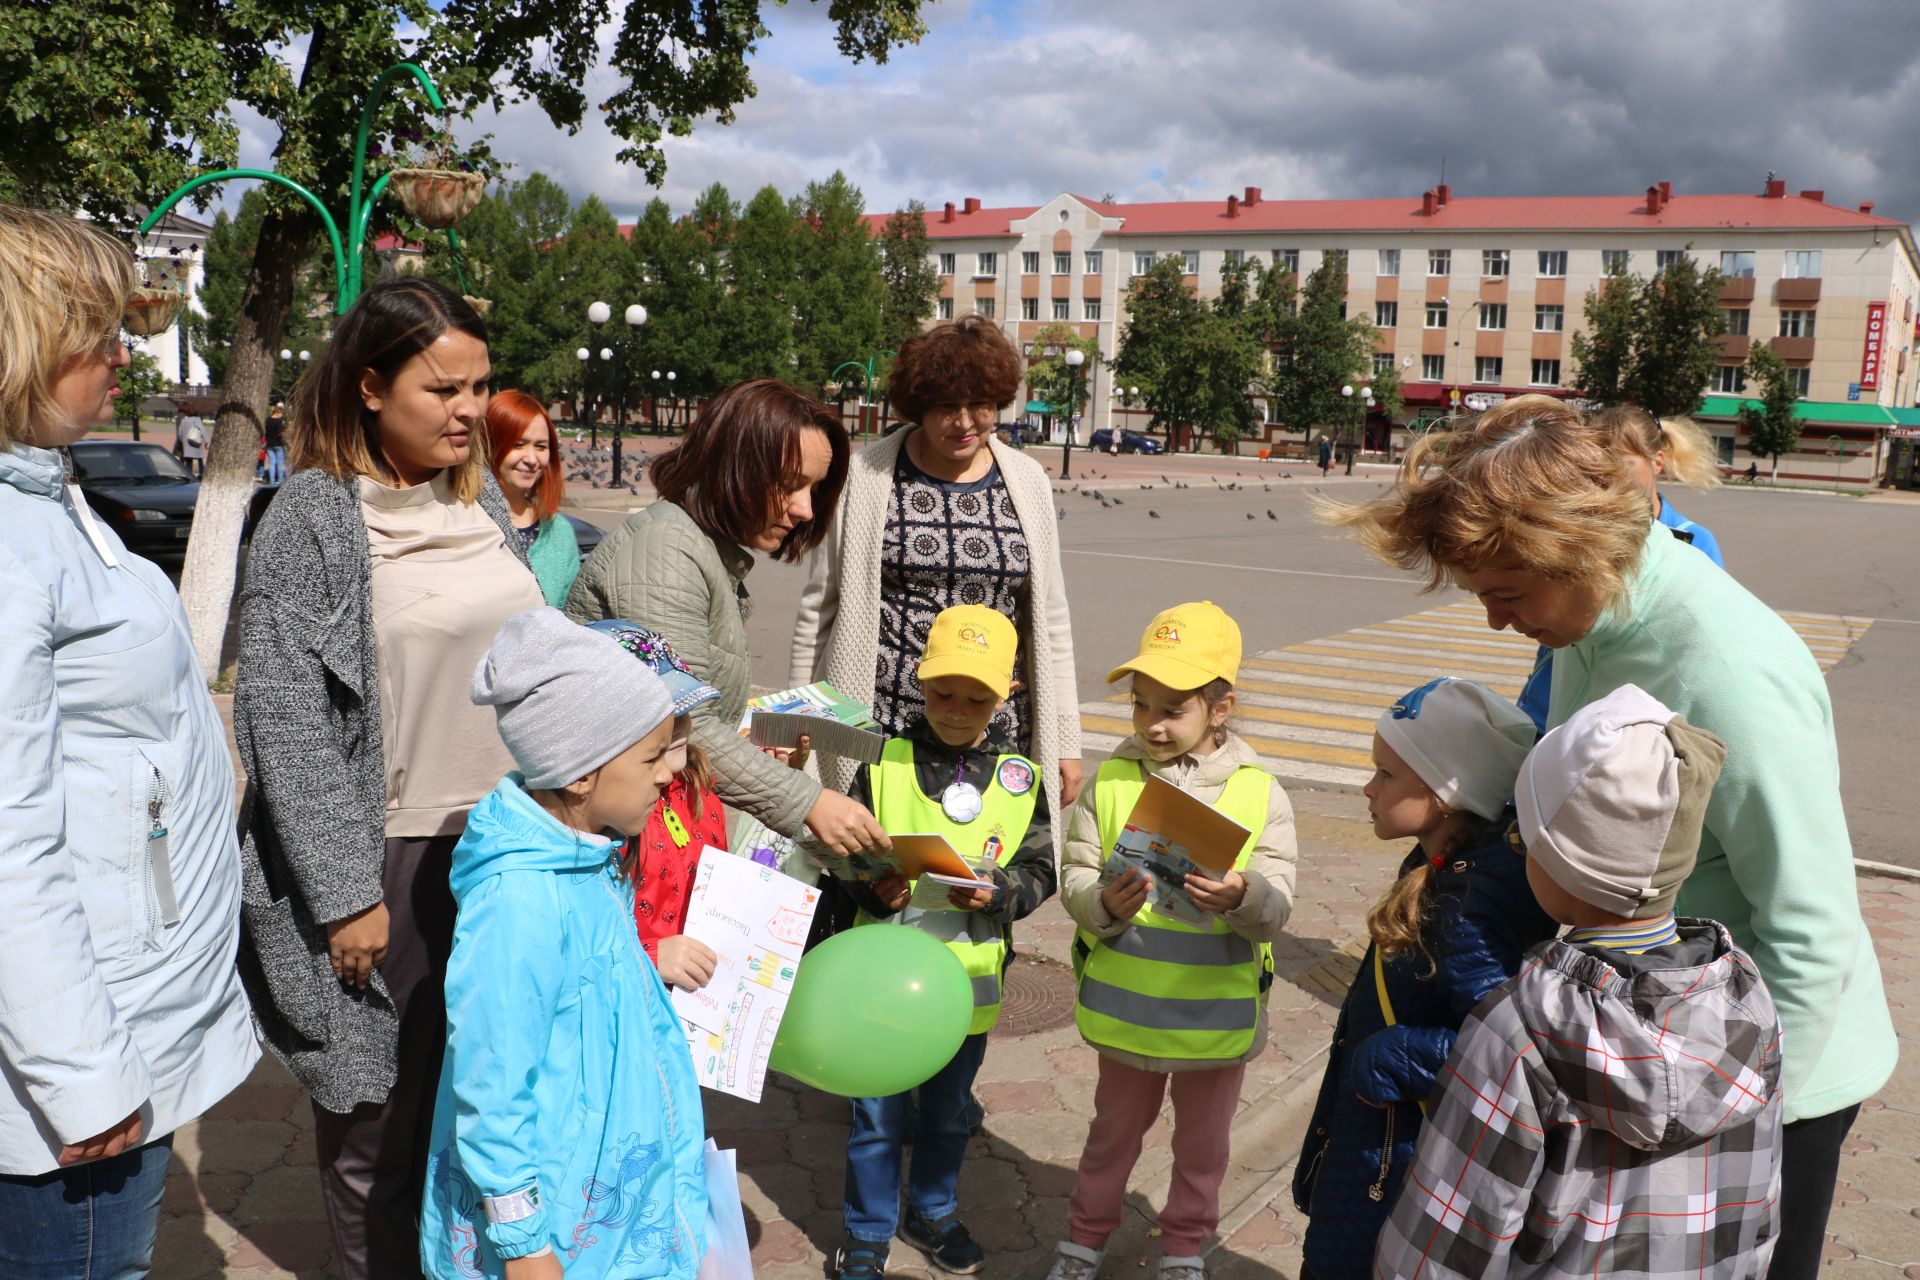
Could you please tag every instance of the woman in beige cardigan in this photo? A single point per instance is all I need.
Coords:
(938, 515)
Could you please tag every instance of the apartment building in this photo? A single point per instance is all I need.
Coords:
(1477, 298)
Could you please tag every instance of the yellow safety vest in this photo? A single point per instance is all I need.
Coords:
(1162, 988)
(901, 806)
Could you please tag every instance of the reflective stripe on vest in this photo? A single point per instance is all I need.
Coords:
(1162, 988)
(901, 806)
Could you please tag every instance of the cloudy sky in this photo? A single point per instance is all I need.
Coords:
(1016, 100)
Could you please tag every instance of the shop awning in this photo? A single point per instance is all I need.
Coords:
(1845, 413)
(1039, 406)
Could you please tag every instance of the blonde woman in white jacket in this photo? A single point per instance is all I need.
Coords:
(936, 515)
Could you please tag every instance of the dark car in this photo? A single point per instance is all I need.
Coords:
(1130, 442)
(141, 490)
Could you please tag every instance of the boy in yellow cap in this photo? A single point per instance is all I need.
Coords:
(952, 774)
(1172, 1006)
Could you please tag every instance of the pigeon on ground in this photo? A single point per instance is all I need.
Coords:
(1249, 515)
(1118, 503)
(1153, 515)
(1270, 514)
(1164, 480)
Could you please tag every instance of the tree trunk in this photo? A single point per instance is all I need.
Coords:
(226, 488)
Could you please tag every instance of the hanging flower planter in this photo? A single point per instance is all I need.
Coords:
(481, 306)
(152, 309)
(438, 198)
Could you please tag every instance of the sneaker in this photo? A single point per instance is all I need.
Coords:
(1183, 1268)
(1075, 1262)
(861, 1260)
(947, 1243)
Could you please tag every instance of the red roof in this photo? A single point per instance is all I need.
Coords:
(1461, 213)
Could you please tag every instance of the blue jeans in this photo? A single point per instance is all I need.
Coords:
(276, 465)
(940, 1140)
(92, 1221)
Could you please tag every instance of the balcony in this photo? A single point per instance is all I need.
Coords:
(1736, 289)
(1734, 346)
(1796, 291)
(1793, 350)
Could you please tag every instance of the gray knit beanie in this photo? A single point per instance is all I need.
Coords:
(567, 698)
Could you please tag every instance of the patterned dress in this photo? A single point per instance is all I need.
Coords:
(947, 543)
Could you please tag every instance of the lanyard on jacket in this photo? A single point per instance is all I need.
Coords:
(1386, 1003)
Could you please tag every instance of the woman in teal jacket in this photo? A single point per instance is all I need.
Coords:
(525, 452)
(1530, 509)
(567, 1133)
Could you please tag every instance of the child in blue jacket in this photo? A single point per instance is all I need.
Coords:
(1452, 928)
(567, 1135)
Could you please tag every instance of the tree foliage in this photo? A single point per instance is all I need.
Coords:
(839, 295)
(1650, 342)
(906, 267)
(1196, 365)
(140, 381)
(1317, 348)
(1049, 377)
(1772, 428)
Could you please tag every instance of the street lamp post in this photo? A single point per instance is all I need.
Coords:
(584, 356)
(865, 368)
(673, 397)
(1075, 357)
(1361, 408)
(636, 315)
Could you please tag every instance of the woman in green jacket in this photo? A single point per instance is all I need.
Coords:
(525, 453)
(1530, 508)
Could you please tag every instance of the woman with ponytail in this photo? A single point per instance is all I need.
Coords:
(1453, 926)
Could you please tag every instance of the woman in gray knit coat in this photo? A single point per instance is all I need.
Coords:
(377, 579)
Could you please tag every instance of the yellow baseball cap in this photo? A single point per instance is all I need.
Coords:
(974, 641)
(1186, 647)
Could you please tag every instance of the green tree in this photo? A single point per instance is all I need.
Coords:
(1772, 428)
(906, 267)
(1049, 377)
(758, 317)
(1651, 342)
(1317, 349)
(108, 106)
(1155, 352)
(140, 381)
(840, 297)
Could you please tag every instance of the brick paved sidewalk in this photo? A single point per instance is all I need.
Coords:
(242, 1200)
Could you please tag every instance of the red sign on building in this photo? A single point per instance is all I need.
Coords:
(1876, 339)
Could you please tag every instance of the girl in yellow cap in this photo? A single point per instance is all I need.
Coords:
(1166, 1002)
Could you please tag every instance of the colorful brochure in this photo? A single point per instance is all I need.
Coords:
(1168, 836)
(836, 723)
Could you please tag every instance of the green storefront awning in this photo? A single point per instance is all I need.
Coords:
(1845, 413)
(1905, 417)
(1039, 406)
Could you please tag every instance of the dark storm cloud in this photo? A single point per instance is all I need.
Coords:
(1013, 102)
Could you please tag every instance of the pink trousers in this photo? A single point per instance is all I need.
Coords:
(1125, 1104)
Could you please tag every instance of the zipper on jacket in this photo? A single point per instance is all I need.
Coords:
(160, 865)
(1378, 1191)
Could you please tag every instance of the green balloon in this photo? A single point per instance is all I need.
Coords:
(874, 1011)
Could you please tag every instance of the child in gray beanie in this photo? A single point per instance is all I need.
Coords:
(555, 1016)
(1614, 1108)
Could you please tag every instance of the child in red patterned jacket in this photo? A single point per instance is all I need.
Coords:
(663, 859)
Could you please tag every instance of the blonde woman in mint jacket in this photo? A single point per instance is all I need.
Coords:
(1530, 509)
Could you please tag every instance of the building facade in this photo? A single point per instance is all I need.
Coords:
(1477, 299)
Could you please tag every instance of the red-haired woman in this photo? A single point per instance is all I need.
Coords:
(526, 461)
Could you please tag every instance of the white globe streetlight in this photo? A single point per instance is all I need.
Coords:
(599, 312)
(636, 315)
(1075, 357)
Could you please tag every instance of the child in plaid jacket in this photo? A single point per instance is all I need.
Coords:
(1615, 1108)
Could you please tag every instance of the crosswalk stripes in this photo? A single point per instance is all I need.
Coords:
(1309, 708)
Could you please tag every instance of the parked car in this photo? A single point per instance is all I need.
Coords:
(1130, 442)
(141, 491)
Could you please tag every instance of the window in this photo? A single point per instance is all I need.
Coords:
(1382, 363)
(946, 264)
(1063, 263)
(983, 307)
(1796, 324)
(1613, 262)
(1730, 379)
(1287, 260)
(1142, 261)
(1433, 368)
(1798, 379)
(1060, 306)
(1493, 315)
(1439, 262)
(1030, 262)
(1735, 320)
(1553, 264)
(1335, 259)
(1546, 373)
(1191, 261)
(1664, 258)
(1549, 319)
(1436, 315)
(1803, 264)
(945, 311)
(1486, 368)
(1091, 309)
(1495, 262)
(1386, 315)
(1736, 264)
(1029, 308)
(1389, 263)
(1095, 259)
(986, 264)
(1234, 257)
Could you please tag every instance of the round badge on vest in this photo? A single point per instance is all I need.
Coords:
(1015, 777)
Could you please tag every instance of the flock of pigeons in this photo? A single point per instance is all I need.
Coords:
(1229, 486)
